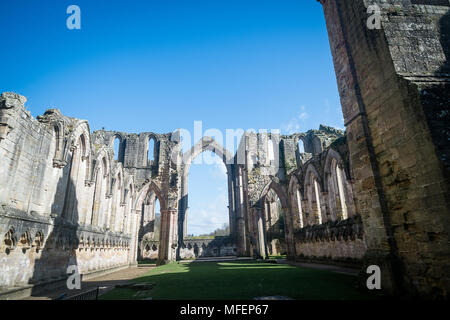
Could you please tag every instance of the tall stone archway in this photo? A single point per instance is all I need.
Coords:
(205, 144)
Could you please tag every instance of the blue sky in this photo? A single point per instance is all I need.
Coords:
(160, 65)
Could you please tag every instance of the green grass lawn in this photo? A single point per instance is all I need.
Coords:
(243, 280)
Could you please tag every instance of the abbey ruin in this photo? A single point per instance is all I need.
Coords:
(377, 193)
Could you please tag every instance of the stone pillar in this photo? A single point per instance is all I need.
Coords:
(134, 245)
(231, 211)
(261, 239)
(289, 232)
(183, 207)
(241, 235)
(168, 236)
(185, 221)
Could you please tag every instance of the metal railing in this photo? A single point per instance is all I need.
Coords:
(87, 295)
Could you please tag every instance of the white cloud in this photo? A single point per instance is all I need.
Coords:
(217, 168)
(208, 197)
(212, 214)
(295, 124)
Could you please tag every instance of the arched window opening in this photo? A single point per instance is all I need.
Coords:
(151, 218)
(299, 206)
(272, 232)
(340, 183)
(270, 151)
(207, 215)
(149, 227)
(151, 154)
(57, 135)
(114, 212)
(157, 221)
(117, 148)
(98, 193)
(316, 205)
(301, 146)
(83, 147)
(255, 160)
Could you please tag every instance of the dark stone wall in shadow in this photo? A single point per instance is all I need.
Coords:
(60, 248)
(435, 98)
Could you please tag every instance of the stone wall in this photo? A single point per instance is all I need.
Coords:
(47, 186)
(336, 241)
(297, 190)
(394, 85)
(202, 248)
(192, 248)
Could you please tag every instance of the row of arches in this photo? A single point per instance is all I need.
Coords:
(318, 198)
(96, 190)
(314, 196)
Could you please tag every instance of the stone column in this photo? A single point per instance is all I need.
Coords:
(261, 234)
(134, 245)
(183, 206)
(231, 211)
(168, 236)
(289, 232)
(240, 236)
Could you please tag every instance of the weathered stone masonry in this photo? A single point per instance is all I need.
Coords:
(394, 89)
(378, 194)
(67, 199)
(314, 194)
(48, 170)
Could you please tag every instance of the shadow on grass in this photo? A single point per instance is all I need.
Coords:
(243, 281)
(283, 256)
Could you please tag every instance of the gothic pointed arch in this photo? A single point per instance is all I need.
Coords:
(150, 186)
(207, 143)
(279, 190)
